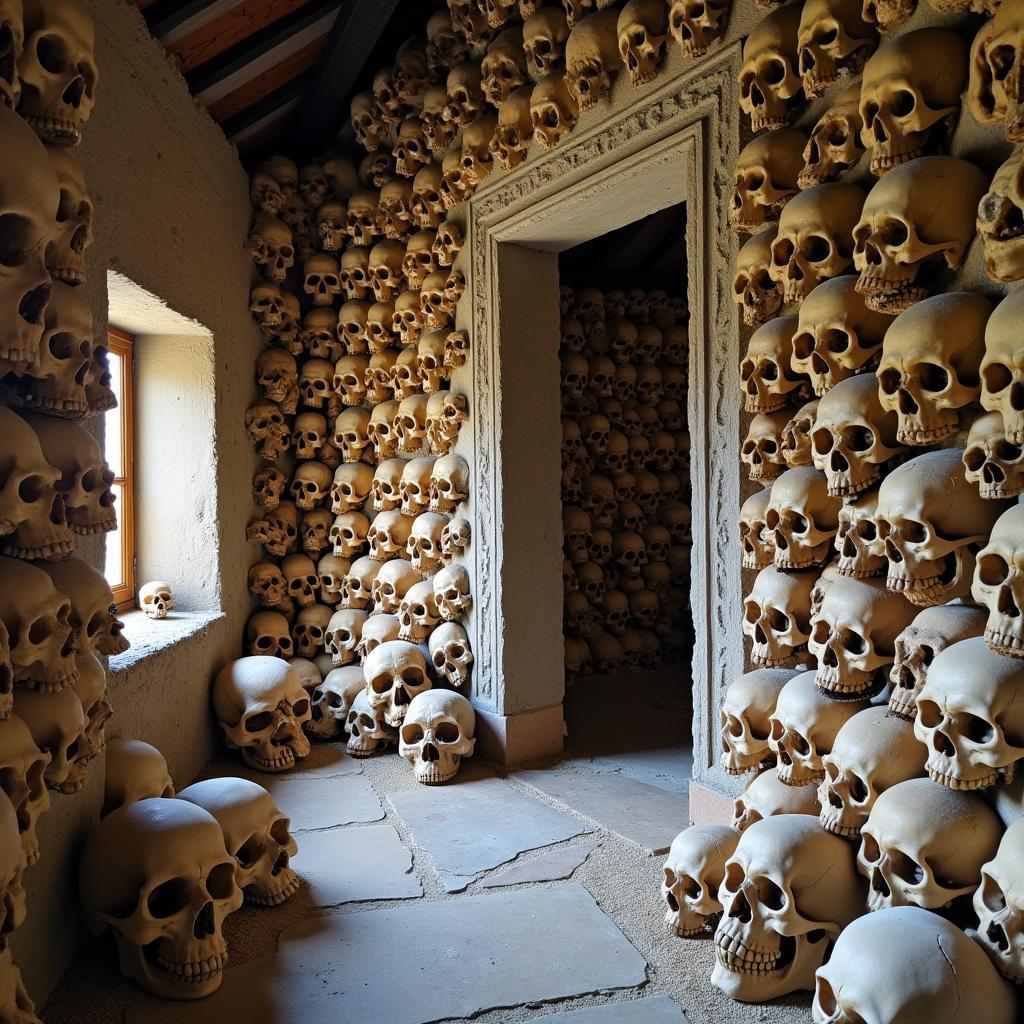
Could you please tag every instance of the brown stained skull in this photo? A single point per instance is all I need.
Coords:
(767, 379)
(796, 436)
(762, 451)
(833, 39)
(991, 461)
(753, 289)
(1002, 369)
(504, 66)
(835, 142)
(995, 88)
(769, 78)
(766, 178)
(1001, 221)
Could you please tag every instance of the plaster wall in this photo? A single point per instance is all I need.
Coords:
(172, 213)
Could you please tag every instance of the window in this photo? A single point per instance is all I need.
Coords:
(120, 569)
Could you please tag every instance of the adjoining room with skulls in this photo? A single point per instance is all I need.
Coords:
(625, 489)
(510, 511)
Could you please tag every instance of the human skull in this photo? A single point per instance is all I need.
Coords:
(352, 433)
(430, 359)
(932, 631)
(766, 178)
(357, 591)
(930, 362)
(756, 541)
(804, 726)
(395, 673)
(316, 526)
(853, 637)
(693, 872)
(348, 534)
(767, 379)
(872, 752)
(261, 707)
(134, 771)
(1002, 368)
(766, 796)
(749, 704)
(455, 539)
(309, 434)
(762, 450)
(998, 586)
(837, 335)
(969, 717)
(514, 130)
(390, 585)
(695, 25)
(919, 213)
(592, 58)
(424, 544)
(754, 290)
(342, 633)
(448, 243)
(910, 94)
(450, 653)
(553, 110)
(255, 834)
(854, 440)
(332, 570)
(777, 615)
(381, 430)
(835, 142)
(449, 483)
(168, 896)
(992, 463)
(504, 66)
(271, 246)
(354, 273)
(438, 731)
(545, 33)
(388, 534)
(802, 518)
(907, 964)
(796, 436)
(861, 554)
(998, 213)
(833, 39)
(643, 32)
(65, 254)
(350, 379)
(923, 845)
(815, 238)
(57, 69)
(932, 521)
(451, 586)
(997, 902)
(93, 615)
(789, 889)
(465, 93)
(770, 77)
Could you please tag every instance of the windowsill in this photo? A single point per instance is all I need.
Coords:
(150, 637)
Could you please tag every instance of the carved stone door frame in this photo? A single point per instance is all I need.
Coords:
(674, 144)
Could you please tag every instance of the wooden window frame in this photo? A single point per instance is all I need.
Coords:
(123, 345)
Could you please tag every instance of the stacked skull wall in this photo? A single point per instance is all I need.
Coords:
(57, 615)
(625, 479)
(881, 378)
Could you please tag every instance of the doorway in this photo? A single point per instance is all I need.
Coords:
(625, 492)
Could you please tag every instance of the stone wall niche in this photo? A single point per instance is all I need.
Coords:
(673, 145)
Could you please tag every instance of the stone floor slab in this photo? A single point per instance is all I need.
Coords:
(548, 867)
(658, 1010)
(317, 802)
(352, 865)
(325, 759)
(475, 826)
(470, 965)
(646, 815)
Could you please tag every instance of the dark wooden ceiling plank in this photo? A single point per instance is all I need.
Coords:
(312, 20)
(280, 75)
(143, 4)
(359, 26)
(166, 16)
(238, 24)
(263, 108)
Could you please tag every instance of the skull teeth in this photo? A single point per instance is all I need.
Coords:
(951, 781)
(194, 971)
(1005, 643)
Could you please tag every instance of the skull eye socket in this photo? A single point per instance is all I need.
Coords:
(51, 54)
(822, 441)
(412, 733)
(774, 72)
(993, 570)
(974, 459)
(929, 714)
(778, 620)
(975, 729)
(914, 533)
(249, 852)
(903, 102)
(996, 376)
(817, 248)
(447, 732)
(907, 868)
(822, 631)
(854, 643)
(168, 898)
(992, 895)
(933, 377)
(770, 894)
(220, 882)
(894, 232)
(261, 721)
(859, 438)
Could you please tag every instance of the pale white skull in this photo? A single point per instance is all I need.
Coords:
(853, 637)
(455, 538)
(907, 964)
(999, 905)
(261, 707)
(777, 615)
(1002, 369)
(388, 534)
(134, 771)
(796, 436)
(255, 834)
(854, 439)
(969, 714)
(390, 585)
(991, 461)
(932, 522)
(424, 543)
(342, 632)
(332, 700)
(386, 488)
(57, 69)
(861, 554)
(450, 653)
(802, 518)
(348, 534)
(923, 845)
(804, 725)
(930, 362)
(755, 540)
(368, 732)
(358, 589)
(762, 449)
(395, 672)
(157, 872)
(998, 212)
(749, 703)
(767, 379)
(932, 631)
(872, 752)
(437, 733)
(766, 178)
(418, 612)
(410, 422)
(999, 584)
(451, 586)
(352, 433)
(789, 889)
(351, 487)
(692, 874)
(766, 795)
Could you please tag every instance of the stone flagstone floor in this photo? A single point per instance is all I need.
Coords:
(488, 899)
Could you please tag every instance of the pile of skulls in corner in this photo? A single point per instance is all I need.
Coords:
(625, 479)
(57, 614)
(876, 856)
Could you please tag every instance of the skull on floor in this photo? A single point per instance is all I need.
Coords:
(692, 874)
(368, 732)
(436, 734)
